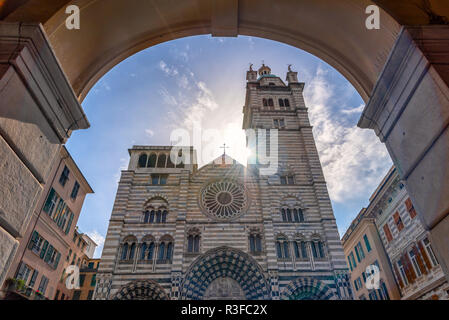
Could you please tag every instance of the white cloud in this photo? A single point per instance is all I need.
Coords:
(99, 240)
(353, 159)
(123, 166)
(359, 109)
(171, 71)
(149, 132)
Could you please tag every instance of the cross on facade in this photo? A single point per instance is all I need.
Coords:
(224, 148)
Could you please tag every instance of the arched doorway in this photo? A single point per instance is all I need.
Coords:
(307, 289)
(141, 290)
(224, 273)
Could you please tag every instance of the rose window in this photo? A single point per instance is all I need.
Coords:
(224, 199)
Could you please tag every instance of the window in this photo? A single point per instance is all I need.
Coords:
(298, 215)
(414, 259)
(372, 295)
(367, 244)
(281, 103)
(398, 221)
(193, 243)
(132, 250)
(64, 176)
(287, 103)
(387, 232)
(359, 252)
(350, 263)
(82, 278)
(303, 250)
(255, 243)
(402, 272)
(125, 251)
(24, 272)
(76, 295)
(75, 189)
(51, 201)
(159, 179)
(287, 179)
(410, 208)
(43, 285)
(264, 102)
(93, 281)
(142, 163)
(152, 160)
(270, 103)
(161, 160)
(429, 250)
(383, 287)
(279, 123)
(282, 248)
(352, 260)
(90, 294)
(358, 284)
(90, 265)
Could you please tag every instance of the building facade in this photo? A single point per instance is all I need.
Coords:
(226, 231)
(363, 247)
(408, 246)
(87, 281)
(81, 250)
(39, 262)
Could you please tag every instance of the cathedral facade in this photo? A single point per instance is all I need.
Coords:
(228, 231)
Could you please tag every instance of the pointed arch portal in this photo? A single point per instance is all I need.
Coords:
(225, 263)
(308, 289)
(141, 290)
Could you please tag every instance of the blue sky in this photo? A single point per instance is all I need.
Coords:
(200, 82)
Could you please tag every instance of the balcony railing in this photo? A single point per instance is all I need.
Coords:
(17, 291)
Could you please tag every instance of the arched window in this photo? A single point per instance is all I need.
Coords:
(282, 248)
(169, 252)
(125, 251)
(281, 103)
(142, 161)
(287, 103)
(289, 215)
(146, 217)
(303, 249)
(161, 253)
(151, 216)
(321, 249)
(270, 102)
(143, 249)
(158, 216)
(193, 241)
(296, 249)
(152, 160)
(170, 163)
(180, 162)
(265, 103)
(150, 251)
(164, 216)
(132, 250)
(314, 249)
(284, 216)
(196, 243)
(190, 243)
(161, 160)
(252, 243)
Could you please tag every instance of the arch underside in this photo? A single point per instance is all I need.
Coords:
(141, 290)
(225, 263)
(305, 288)
(108, 35)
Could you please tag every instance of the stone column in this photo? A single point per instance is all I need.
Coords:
(38, 112)
(409, 111)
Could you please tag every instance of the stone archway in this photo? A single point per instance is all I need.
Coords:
(225, 263)
(308, 289)
(141, 290)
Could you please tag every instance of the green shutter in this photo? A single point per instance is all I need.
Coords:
(49, 253)
(58, 256)
(33, 240)
(69, 224)
(49, 199)
(44, 249)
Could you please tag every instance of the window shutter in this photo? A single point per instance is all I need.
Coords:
(409, 267)
(408, 204)
(49, 253)
(58, 256)
(387, 232)
(420, 262)
(20, 271)
(48, 202)
(44, 249)
(33, 278)
(424, 255)
(33, 240)
(67, 229)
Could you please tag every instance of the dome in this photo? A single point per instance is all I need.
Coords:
(264, 70)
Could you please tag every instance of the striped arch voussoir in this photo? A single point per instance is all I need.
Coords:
(141, 290)
(308, 289)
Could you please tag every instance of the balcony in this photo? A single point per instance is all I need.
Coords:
(17, 290)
